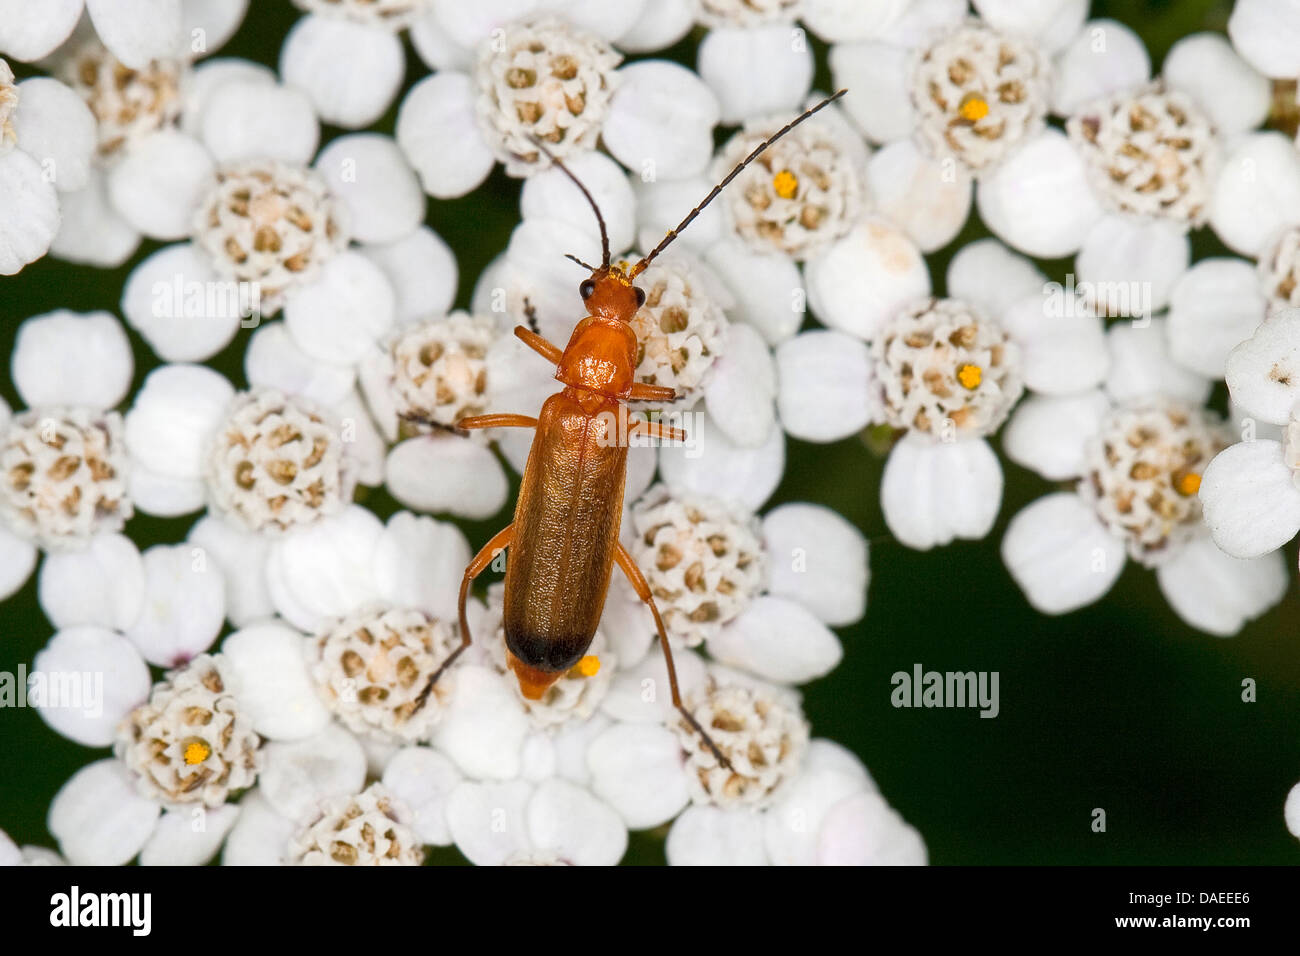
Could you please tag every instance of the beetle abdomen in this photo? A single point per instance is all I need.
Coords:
(565, 533)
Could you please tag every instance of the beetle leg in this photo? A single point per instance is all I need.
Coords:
(539, 345)
(656, 430)
(642, 588)
(641, 392)
(496, 421)
(476, 567)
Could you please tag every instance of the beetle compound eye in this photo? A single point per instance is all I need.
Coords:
(640, 298)
(587, 289)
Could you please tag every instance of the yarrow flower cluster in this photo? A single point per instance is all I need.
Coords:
(318, 659)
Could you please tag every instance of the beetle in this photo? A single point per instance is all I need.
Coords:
(564, 539)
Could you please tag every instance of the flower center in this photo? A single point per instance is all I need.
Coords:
(439, 370)
(1150, 153)
(278, 463)
(63, 475)
(946, 371)
(760, 731)
(360, 830)
(393, 14)
(978, 94)
(128, 104)
(189, 743)
(800, 195)
(680, 330)
(703, 560)
(543, 79)
(748, 13)
(8, 104)
(269, 223)
(1142, 472)
(1279, 271)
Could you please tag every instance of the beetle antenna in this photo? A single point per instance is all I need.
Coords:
(673, 233)
(569, 255)
(604, 236)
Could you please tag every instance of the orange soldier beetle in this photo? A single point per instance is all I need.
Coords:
(563, 541)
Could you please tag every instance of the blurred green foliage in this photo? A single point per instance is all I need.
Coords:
(1119, 706)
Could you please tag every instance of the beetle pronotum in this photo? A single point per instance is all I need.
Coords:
(563, 541)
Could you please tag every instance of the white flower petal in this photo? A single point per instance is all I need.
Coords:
(71, 358)
(422, 270)
(1063, 345)
(550, 194)
(440, 473)
(878, 78)
(1039, 200)
(863, 279)
(1060, 554)
(864, 830)
(102, 584)
(742, 386)
(27, 37)
(1250, 499)
(212, 75)
(31, 206)
(1218, 593)
(297, 775)
(779, 640)
(1213, 307)
(56, 128)
(567, 820)
(1044, 20)
(710, 836)
(17, 559)
(176, 301)
(184, 605)
(1291, 810)
(932, 492)
(637, 769)
(641, 693)
(1257, 192)
(838, 20)
(325, 569)
(819, 559)
(241, 557)
(435, 46)
(250, 119)
(1208, 69)
(1104, 57)
(662, 205)
(350, 70)
(756, 70)
(342, 313)
(98, 818)
(98, 677)
(438, 111)
(274, 360)
(483, 725)
(137, 31)
(268, 669)
(989, 276)
(1263, 372)
(792, 824)
(260, 836)
(163, 495)
(489, 821)
(825, 381)
(767, 287)
(1140, 366)
(1132, 265)
(206, 25)
(922, 21)
(661, 121)
(92, 231)
(1048, 432)
(419, 562)
(159, 182)
(423, 779)
(189, 837)
(174, 417)
(369, 175)
(710, 460)
(659, 25)
(928, 199)
(1267, 34)
(363, 439)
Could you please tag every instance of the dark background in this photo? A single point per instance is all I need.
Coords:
(1119, 706)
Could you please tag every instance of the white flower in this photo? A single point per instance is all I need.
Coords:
(13, 855)
(1140, 451)
(47, 137)
(507, 72)
(267, 232)
(361, 830)
(1265, 33)
(1251, 491)
(946, 373)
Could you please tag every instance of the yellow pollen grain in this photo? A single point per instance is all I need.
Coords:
(1188, 484)
(970, 376)
(589, 666)
(973, 108)
(196, 751)
(786, 184)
